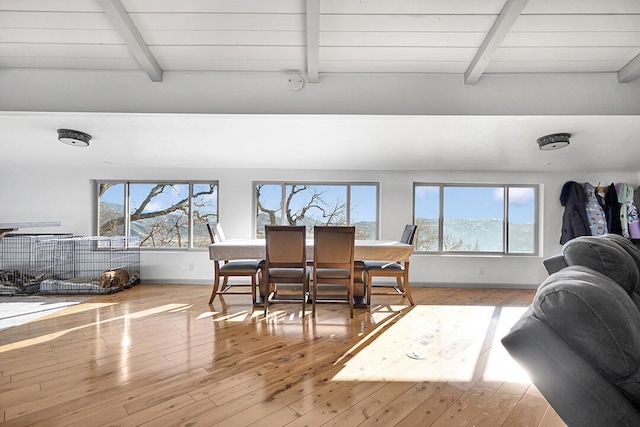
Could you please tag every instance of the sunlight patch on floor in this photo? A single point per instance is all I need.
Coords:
(15, 311)
(156, 310)
(450, 343)
(381, 313)
(501, 366)
(206, 315)
(54, 335)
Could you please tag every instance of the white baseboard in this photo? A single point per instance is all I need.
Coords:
(413, 284)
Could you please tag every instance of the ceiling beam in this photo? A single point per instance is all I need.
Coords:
(501, 27)
(129, 32)
(313, 40)
(630, 72)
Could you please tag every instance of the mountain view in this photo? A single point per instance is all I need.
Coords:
(460, 234)
(474, 235)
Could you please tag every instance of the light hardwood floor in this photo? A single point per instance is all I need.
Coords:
(159, 355)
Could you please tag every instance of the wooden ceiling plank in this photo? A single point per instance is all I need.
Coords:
(313, 40)
(60, 36)
(505, 20)
(630, 71)
(570, 39)
(208, 6)
(567, 7)
(129, 32)
(218, 21)
(553, 67)
(564, 53)
(454, 67)
(69, 63)
(259, 53)
(51, 6)
(400, 39)
(404, 23)
(224, 38)
(412, 7)
(53, 20)
(232, 65)
(577, 23)
(77, 51)
(397, 53)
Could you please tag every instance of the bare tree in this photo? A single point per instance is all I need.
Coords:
(168, 221)
(330, 214)
(427, 237)
(302, 203)
(261, 208)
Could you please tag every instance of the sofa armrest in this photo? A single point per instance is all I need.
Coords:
(555, 263)
(578, 393)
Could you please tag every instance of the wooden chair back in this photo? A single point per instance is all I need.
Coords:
(285, 246)
(333, 247)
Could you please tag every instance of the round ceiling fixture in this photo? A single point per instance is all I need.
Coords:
(555, 141)
(296, 81)
(74, 137)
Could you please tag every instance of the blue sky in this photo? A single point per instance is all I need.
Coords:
(461, 202)
(363, 198)
(475, 203)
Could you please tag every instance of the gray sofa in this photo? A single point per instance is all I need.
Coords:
(580, 338)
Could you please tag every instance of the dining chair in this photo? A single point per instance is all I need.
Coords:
(285, 262)
(391, 269)
(234, 268)
(333, 264)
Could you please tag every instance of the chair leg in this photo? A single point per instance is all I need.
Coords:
(216, 284)
(407, 289)
(253, 289)
(369, 279)
(314, 296)
(305, 292)
(225, 284)
(351, 297)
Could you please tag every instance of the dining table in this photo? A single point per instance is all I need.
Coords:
(374, 250)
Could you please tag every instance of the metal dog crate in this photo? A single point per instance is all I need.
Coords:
(21, 266)
(81, 265)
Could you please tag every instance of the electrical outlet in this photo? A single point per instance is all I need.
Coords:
(481, 270)
(190, 267)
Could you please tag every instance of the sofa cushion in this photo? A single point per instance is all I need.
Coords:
(596, 317)
(604, 256)
(628, 247)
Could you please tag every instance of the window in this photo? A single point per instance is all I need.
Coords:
(312, 204)
(163, 215)
(475, 219)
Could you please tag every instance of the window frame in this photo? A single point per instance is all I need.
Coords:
(505, 222)
(127, 206)
(284, 183)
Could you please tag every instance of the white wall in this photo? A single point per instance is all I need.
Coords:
(67, 196)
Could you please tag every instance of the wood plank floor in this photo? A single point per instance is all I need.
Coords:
(159, 355)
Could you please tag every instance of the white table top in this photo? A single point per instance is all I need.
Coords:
(8, 227)
(16, 225)
(379, 250)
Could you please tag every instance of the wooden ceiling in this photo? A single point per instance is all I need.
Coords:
(316, 37)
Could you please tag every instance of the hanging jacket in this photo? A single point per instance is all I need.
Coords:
(574, 220)
(628, 211)
(612, 210)
(595, 213)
